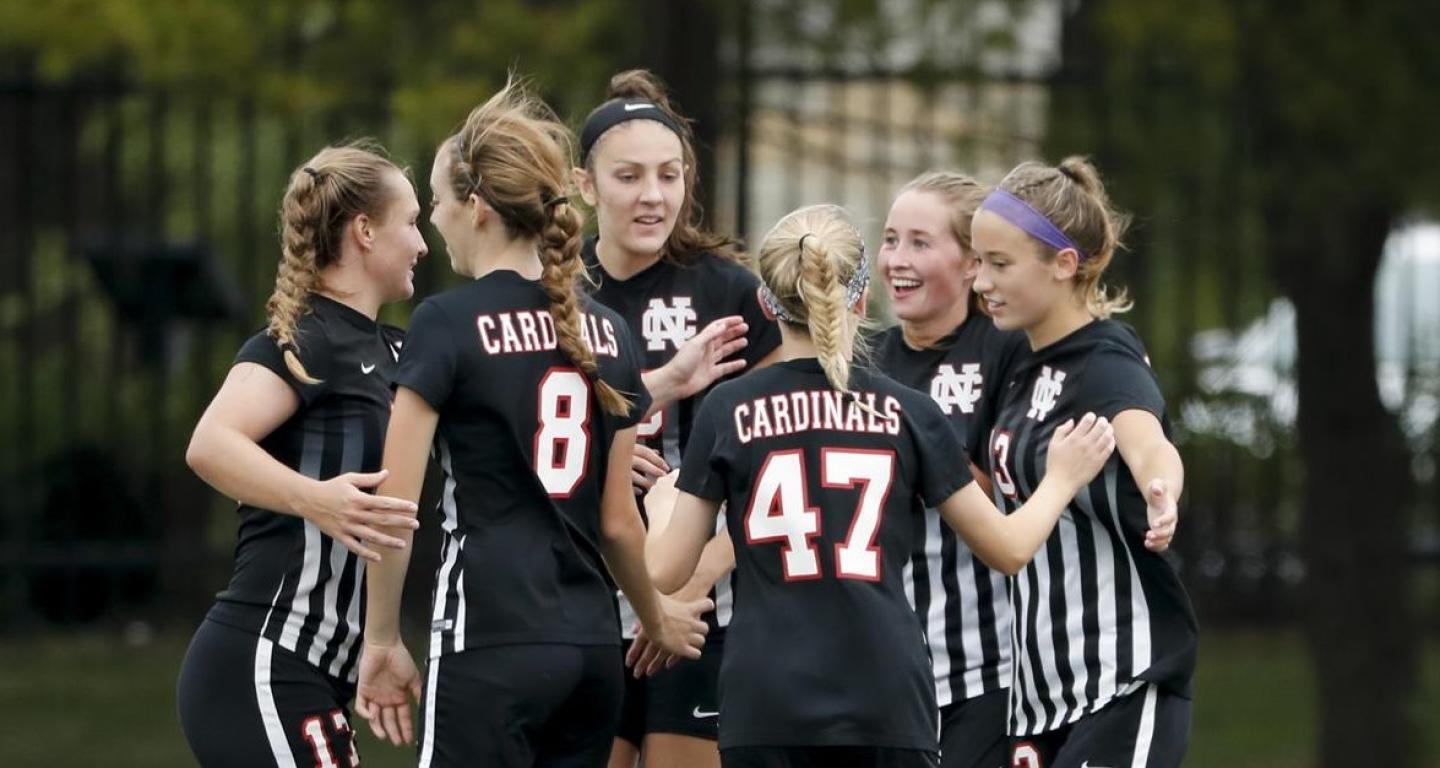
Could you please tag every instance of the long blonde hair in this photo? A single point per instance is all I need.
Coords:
(515, 154)
(324, 195)
(806, 261)
(1073, 198)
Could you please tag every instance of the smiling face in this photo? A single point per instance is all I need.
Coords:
(1020, 288)
(927, 271)
(636, 184)
(397, 243)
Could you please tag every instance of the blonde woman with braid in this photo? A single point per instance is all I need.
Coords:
(530, 396)
(826, 469)
(295, 436)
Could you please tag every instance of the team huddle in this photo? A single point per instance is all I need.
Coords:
(694, 511)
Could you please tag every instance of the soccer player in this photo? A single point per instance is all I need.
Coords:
(683, 293)
(824, 468)
(945, 347)
(1104, 633)
(295, 435)
(530, 396)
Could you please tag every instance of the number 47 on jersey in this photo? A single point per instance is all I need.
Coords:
(780, 510)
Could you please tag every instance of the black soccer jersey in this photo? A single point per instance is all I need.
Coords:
(293, 584)
(664, 305)
(524, 445)
(960, 601)
(1096, 613)
(824, 500)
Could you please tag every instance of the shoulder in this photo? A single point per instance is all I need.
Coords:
(887, 342)
(730, 269)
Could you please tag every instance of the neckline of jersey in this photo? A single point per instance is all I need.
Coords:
(346, 312)
(591, 256)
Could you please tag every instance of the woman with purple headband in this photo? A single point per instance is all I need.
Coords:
(825, 469)
(1104, 635)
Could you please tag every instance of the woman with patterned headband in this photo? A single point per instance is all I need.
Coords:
(1104, 635)
(826, 469)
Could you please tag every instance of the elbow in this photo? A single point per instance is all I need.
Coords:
(1010, 561)
(198, 456)
(664, 576)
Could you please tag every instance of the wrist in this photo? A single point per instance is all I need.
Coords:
(300, 501)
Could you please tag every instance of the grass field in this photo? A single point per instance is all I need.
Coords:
(84, 701)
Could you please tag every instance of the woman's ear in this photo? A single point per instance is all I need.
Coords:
(586, 184)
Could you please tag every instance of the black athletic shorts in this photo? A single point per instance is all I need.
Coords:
(826, 757)
(543, 705)
(246, 702)
(1149, 727)
(972, 732)
(684, 699)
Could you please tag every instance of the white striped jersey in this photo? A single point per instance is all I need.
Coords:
(664, 305)
(1096, 613)
(293, 584)
(523, 444)
(960, 601)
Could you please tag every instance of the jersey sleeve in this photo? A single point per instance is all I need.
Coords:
(314, 353)
(700, 473)
(764, 334)
(428, 358)
(626, 377)
(944, 467)
(1117, 381)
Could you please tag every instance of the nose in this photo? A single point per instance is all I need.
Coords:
(983, 283)
(650, 191)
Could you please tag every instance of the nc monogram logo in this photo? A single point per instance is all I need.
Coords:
(674, 324)
(1046, 392)
(951, 390)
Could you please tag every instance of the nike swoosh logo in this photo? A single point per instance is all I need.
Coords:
(701, 715)
(367, 368)
(633, 107)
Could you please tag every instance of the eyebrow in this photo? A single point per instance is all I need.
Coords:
(642, 164)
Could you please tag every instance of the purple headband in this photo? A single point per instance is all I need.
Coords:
(1029, 220)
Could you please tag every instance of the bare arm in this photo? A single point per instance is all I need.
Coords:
(682, 542)
(673, 626)
(1007, 542)
(225, 452)
(1158, 471)
(407, 448)
(716, 560)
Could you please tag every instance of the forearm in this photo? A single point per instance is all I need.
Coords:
(238, 467)
(663, 387)
(407, 440)
(1159, 462)
(716, 560)
(1006, 542)
(624, 551)
(384, 586)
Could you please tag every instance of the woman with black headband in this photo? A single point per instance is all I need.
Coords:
(826, 469)
(529, 395)
(685, 296)
(1104, 635)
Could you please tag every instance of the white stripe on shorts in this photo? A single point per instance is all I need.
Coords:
(269, 715)
(1147, 728)
(427, 748)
